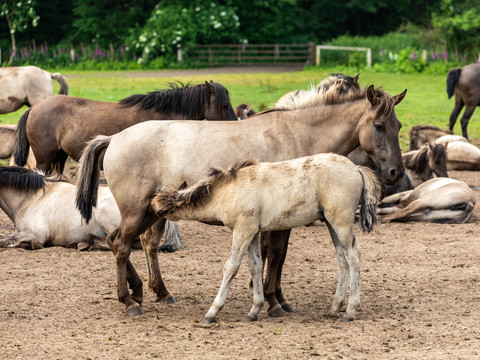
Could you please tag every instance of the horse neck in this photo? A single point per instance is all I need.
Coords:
(12, 200)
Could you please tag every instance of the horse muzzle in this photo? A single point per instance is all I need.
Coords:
(392, 175)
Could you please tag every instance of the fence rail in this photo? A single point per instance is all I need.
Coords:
(250, 54)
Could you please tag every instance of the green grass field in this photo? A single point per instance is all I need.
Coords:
(426, 101)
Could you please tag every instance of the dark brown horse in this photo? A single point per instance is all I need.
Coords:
(135, 170)
(60, 126)
(465, 84)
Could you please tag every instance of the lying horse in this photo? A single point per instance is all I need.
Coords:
(7, 143)
(422, 164)
(461, 154)
(423, 134)
(254, 197)
(465, 84)
(442, 200)
(331, 86)
(244, 111)
(136, 169)
(26, 85)
(60, 126)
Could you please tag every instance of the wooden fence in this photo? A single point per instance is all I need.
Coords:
(249, 54)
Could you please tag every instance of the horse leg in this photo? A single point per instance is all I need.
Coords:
(173, 239)
(255, 267)
(121, 246)
(456, 111)
(242, 237)
(150, 240)
(275, 244)
(469, 109)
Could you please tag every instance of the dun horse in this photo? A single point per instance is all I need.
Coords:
(255, 197)
(465, 84)
(135, 170)
(26, 85)
(442, 200)
(423, 134)
(421, 165)
(244, 111)
(61, 126)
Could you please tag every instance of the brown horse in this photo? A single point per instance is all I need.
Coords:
(26, 85)
(60, 126)
(423, 134)
(244, 111)
(135, 170)
(422, 164)
(465, 84)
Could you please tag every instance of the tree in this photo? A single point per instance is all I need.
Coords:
(19, 16)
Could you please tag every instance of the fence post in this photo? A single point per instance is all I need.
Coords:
(276, 53)
(317, 60)
(179, 54)
(311, 54)
(369, 57)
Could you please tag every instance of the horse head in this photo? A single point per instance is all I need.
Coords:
(378, 134)
(218, 105)
(438, 159)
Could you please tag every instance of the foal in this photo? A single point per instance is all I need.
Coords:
(254, 197)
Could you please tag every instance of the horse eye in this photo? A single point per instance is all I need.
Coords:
(378, 127)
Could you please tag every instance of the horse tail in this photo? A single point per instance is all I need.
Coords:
(452, 80)
(62, 81)
(22, 146)
(89, 176)
(372, 192)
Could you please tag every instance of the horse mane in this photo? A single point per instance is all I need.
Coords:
(19, 178)
(189, 100)
(439, 151)
(426, 127)
(418, 160)
(165, 201)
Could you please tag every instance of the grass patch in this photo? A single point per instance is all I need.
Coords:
(426, 101)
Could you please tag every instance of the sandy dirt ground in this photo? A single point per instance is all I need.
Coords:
(420, 292)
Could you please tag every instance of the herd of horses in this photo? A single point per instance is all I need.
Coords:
(262, 176)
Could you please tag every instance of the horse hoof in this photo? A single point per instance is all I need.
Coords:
(170, 300)
(277, 311)
(209, 320)
(287, 307)
(167, 248)
(332, 314)
(137, 300)
(348, 318)
(251, 318)
(135, 311)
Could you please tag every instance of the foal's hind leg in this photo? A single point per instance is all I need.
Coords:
(456, 111)
(275, 245)
(150, 240)
(255, 267)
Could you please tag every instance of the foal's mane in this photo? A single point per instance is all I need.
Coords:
(164, 202)
(187, 99)
(418, 160)
(416, 128)
(20, 178)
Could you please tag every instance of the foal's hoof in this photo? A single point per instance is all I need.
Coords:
(348, 318)
(250, 318)
(170, 300)
(135, 311)
(277, 311)
(167, 248)
(209, 320)
(287, 307)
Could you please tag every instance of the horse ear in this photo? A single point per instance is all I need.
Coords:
(210, 86)
(355, 79)
(397, 99)
(445, 145)
(371, 96)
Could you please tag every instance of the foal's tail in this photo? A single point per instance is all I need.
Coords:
(62, 81)
(452, 80)
(22, 146)
(372, 193)
(89, 176)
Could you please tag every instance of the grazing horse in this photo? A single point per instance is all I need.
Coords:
(253, 197)
(465, 84)
(60, 126)
(26, 85)
(333, 85)
(442, 200)
(244, 111)
(422, 164)
(135, 169)
(423, 134)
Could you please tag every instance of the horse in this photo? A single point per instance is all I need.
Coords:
(336, 83)
(422, 134)
(7, 143)
(244, 111)
(27, 85)
(422, 164)
(461, 154)
(135, 170)
(464, 82)
(442, 200)
(252, 197)
(60, 126)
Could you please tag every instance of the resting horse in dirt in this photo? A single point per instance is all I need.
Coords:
(422, 164)
(60, 126)
(7, 143)
(254, 197)
(441, 200)
(135, 170)
(26, 85)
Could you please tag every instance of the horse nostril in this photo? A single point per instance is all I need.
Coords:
(395, 174)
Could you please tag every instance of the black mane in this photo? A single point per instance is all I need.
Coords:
(20, 178)
(186, 99)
